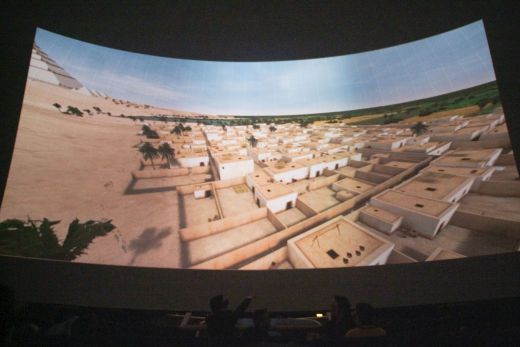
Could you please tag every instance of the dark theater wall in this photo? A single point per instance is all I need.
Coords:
(468, 279)
(240, 31)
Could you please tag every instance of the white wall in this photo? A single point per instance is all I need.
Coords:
(314, 169)
(287, 177)
(193, 161)
(235, 169)
(278, 204)
(341, 162)
(425, 225)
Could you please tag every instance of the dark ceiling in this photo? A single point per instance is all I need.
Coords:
(248, 31)
(252, 30)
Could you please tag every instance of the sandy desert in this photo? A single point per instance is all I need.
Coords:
(67, 167)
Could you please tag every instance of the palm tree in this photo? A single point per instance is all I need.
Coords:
(38, 238)
(252, 141)
(419, 128)
(272, 129)
(177, 130)
(149, 152)
(166, 152)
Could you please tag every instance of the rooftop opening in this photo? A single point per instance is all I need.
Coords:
(332, 254)
(419, 205)
(430, 189)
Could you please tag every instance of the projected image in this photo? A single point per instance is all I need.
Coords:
(398, 155)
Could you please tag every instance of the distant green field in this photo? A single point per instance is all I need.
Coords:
(482, 95)
(485, 96)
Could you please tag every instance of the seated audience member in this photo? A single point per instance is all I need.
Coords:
(221, 322)
(365, 323)
(260, 331)
(340, 321)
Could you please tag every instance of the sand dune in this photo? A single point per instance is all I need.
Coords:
(65, 167)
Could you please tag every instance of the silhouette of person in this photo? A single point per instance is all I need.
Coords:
(221, 322)
(340, 321)
(365, 323)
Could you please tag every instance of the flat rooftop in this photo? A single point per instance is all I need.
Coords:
(424, 147)
(192, 154)
(274, 190)
(433, 185)
(419, 204)
(471, 129)
(281, 166)
(231, 158)
(400, 164)
(464, 157)
(339, 244)
(381, 214)
(352, 185)
(260, 177)
(460, 171)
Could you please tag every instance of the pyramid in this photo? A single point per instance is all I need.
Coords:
(44, 68)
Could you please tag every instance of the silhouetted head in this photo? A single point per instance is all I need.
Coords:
(340, 307)
(261, 319)
(218, 303)
(365, 313)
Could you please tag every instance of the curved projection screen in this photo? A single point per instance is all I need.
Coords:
(398, 155)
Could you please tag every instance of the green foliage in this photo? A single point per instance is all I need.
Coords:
(252, 141)
(149, 133)
(419, 128)
(58, 106)
(167, 153)
(38, 238)
(272, 129)
(74, 111)
(149, 152)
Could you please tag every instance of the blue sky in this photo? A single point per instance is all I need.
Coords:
(440, 64)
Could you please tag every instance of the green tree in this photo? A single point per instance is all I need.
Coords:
(167, 153)
(177, 130)
(419, 128)
(252, 141)
(74, 111)
(256, 126)
(272, 129)
(149, 133)
(58, 106)
(149, 152)
(38, 238)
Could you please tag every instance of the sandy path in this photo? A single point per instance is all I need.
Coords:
(65, 167)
